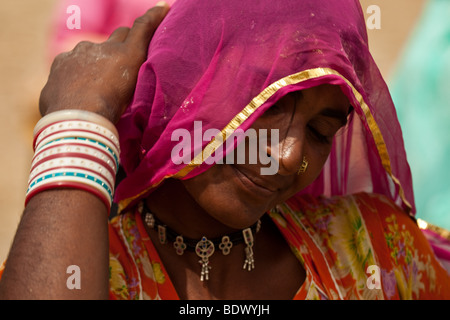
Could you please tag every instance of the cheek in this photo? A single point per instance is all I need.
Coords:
(201, 190)
(317, 154)
(316, 162)
(199, 187)
(215, 193)
(316, 169)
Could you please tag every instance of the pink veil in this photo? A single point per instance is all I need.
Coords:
(225, 62)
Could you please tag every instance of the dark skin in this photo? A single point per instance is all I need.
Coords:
(221, 200)
(62, 227)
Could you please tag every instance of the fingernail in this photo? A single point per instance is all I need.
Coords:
(161, 4)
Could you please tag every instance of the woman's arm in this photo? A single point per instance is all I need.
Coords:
(67, 227)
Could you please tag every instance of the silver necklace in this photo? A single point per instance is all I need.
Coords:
(204, 248)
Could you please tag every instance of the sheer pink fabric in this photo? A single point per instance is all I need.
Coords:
(225, 62)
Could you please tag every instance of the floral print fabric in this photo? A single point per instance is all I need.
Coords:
(136, 272)
(355, 247)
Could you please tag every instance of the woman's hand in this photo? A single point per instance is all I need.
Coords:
(101, 77)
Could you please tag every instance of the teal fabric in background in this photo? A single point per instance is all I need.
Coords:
(420, 88)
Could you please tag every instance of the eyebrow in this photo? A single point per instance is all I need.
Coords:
(336, 114)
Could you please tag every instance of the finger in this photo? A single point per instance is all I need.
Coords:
(144, 27)
(119, 35)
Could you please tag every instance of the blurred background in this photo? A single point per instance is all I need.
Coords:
(25, 28)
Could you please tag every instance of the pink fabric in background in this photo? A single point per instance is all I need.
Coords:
(99, 18)
(441, 247)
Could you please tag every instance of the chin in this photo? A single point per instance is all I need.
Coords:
(223, 201)
(229, 209)
(240, 218)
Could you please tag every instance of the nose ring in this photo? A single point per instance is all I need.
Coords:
(303, 166)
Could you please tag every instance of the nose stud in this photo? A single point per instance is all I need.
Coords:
(303, 166)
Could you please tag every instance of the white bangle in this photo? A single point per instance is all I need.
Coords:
(74, 114)
(80, 174)
(43, 140)
(71, 179)
(85, 150)
(72, 163)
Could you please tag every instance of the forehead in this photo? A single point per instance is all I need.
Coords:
(326, 93)
(325, 96)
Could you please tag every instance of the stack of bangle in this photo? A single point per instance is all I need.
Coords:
(75, 149)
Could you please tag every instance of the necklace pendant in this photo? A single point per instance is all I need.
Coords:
(249, 262)
(162, 234)
(204, 249)
(226, 245)
(179, 245)
(150, 220)
(204, 274)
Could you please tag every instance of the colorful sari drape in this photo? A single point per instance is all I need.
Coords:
(361, 246)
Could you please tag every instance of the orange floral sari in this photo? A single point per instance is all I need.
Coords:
(355, 247)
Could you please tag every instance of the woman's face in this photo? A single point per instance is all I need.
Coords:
(306, 121)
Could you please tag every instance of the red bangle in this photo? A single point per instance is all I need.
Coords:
(69, 185)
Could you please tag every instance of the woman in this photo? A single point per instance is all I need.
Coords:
(195, 228)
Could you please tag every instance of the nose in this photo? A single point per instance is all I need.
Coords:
(290, 150)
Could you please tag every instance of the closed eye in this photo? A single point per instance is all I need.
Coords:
(274, 110)
(319, 137)
(336, 115)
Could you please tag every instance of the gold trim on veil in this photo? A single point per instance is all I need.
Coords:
(257, 102)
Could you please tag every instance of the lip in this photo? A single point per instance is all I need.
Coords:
(256, 187)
